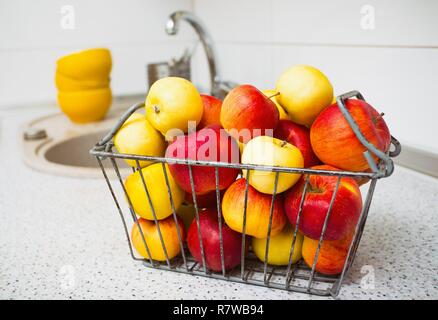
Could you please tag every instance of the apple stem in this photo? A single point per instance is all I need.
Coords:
(283, 143)
(156, 108)
(274, 95)
(380, 115)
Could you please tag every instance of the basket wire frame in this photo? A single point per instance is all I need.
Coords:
(294, 277)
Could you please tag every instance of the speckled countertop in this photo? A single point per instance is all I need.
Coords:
(61, 238)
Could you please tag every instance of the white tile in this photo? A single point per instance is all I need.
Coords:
(400, 82)
(129, 72)
(231, 20)
(37, 24)
(239, 63)
(27, 76)
(410, 22)
(396, 23)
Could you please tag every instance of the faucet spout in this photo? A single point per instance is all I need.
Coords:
(172, 28)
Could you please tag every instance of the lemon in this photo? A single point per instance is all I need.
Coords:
(304, 93)
(279, 247)
(64, 83)
(273, 95)
(138, 137)
(86, 64)
(171, 103)
(86, 105)
(156, 184)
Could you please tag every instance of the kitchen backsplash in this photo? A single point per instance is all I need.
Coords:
(35, 33)
(385, 48)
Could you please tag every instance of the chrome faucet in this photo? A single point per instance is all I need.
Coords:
(218, 88)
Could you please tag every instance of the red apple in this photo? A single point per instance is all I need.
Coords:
(299, 136)
(335, 143)
(206, 200)
(208, 144)
(246, 113)
(346, 207)
(209, 226)
(212, 111)
(257, 212)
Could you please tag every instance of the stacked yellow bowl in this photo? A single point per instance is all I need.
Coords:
(83, 79)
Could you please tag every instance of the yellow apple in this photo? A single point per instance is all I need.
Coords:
(273, 95)
(169, 233)
(304, 93)
(279, 247)
(156, 184)
(171, 103)
(137, 136)
(265, 150)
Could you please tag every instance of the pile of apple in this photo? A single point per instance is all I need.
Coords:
(296, 125)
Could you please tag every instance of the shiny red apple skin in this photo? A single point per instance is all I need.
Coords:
(212, 111)
(257, 212)
(246, 107)
(299, 136)
(335, 143)
(205, 200)
(346, 207)
(209, 226)
(208, 144)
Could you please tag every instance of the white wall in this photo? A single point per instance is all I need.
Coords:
(394, 65)
(31, 39)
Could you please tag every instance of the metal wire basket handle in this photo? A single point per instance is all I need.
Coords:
(108, 137)
(386, 158)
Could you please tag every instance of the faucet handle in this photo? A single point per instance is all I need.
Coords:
(172, 27)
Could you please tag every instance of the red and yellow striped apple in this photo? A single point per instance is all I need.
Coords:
(246, 113)
(273, 95)
(212, 111)
(345, 211)
(335, 143)
(331, 257)
(257, 212)
(208, 144)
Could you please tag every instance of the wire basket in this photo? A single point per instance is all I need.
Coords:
(296, 277)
